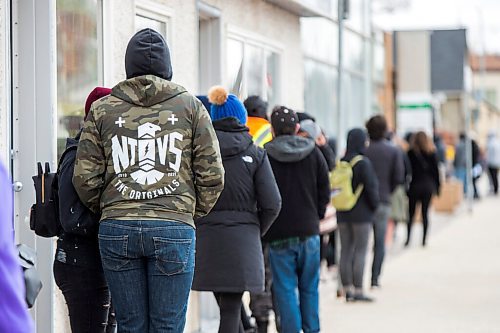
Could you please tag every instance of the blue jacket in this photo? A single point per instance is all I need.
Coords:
(14, 317)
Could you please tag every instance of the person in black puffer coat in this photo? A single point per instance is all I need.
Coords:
(229, 258)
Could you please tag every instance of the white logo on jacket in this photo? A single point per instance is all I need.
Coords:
(146, 147)
(247, 159)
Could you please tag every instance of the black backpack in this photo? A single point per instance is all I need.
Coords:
(58, 207)
(44, 217)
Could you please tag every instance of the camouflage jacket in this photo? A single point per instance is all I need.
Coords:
(149, 151)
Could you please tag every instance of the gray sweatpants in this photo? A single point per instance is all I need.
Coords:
(354, 246)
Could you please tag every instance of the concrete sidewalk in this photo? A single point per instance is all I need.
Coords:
(452, 285)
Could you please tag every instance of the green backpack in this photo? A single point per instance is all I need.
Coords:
(343, 196)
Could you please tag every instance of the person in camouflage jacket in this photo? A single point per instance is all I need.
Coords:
(149, 161)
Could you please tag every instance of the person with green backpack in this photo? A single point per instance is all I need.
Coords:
(355, 195)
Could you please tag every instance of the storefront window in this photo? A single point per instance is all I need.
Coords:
(320, 95)
(255, 70)
(320, 39)
(378, 62)
(357, 17)
(78, 62)
(234, 66)
(143, 22)
(355, 97)
(272, 78)
(252, 70)
(353, 52)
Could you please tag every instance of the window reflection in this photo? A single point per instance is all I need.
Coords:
(320, 94)
(77, 63)
(252, 70)
(143, 22)
(234, 66)
(255, 70)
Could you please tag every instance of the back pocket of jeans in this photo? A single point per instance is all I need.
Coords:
(113, 251)
(172, 255)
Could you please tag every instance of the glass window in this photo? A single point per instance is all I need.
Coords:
(254, 57)
(252, 70)
(320, 96)
(378, 62)
(355, 96)
(320, 39)
(356, 19)
(272, 86)
(234, 66)
(491, 96)
(143, 22)
(78, 62)
(353, 51)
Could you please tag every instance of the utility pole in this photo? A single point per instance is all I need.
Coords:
(341, 16)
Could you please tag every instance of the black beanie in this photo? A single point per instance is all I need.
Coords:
(305, 116)
(148, 53)
(284, 121)
(256, 107)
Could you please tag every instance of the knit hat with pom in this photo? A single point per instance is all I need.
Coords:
(226, 105)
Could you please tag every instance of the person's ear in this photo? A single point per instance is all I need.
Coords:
(297, 128)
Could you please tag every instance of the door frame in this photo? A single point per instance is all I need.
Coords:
(33, 125)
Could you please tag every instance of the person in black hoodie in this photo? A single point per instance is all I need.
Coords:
(302, 176)
(425, 179)
(229, 258)
(77, 265)
(355, 225)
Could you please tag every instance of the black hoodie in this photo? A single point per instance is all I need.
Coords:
(363, 174)
(302, 176)
(148, 53)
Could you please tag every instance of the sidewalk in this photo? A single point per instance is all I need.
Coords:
(452, 285)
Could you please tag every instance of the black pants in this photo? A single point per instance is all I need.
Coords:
(327, 250)
(494, 178)
(424, 196)
(87, 296)
(230, 312)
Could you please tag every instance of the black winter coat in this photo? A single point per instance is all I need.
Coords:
(75, 249)
(363, 173)
(302, 176)
(425, 173)
(228, 248)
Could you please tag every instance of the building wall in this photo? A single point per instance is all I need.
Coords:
(413, 62)
(387, 98)
(489, 81)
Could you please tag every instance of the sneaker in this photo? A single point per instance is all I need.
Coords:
(349, 297)
(363, 298)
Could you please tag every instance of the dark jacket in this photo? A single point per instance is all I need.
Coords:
(425, 172)
(329, 156)
(74, 249)
(363, 174)
(302, 176)
(388, 164)
(228, 248)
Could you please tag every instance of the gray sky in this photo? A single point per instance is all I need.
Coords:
(480, 17)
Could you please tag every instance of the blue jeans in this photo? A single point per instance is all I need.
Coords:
(149, 267)
(295, 268)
